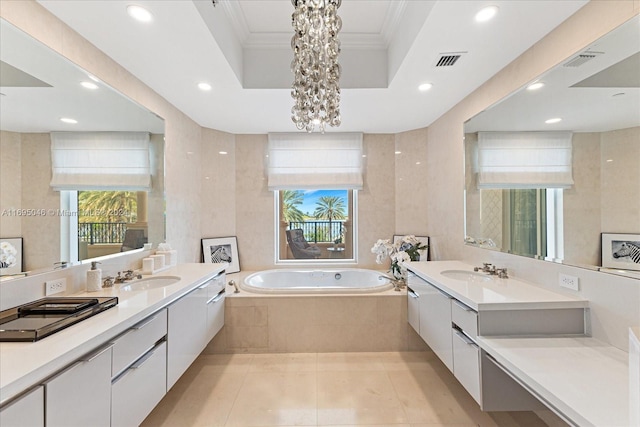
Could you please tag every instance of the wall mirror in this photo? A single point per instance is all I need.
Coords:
(594, 98)
(42, 92)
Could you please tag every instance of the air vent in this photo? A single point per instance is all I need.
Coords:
(581, 59)
(449, 59)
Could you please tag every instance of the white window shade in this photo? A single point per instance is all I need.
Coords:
(300, 161)
(100, 161)
(524, 160)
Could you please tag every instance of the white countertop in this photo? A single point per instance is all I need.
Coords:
(494, 294)
(583, 378)
(25, 364)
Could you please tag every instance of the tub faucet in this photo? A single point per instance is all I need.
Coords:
(397, 283)
(235, 285)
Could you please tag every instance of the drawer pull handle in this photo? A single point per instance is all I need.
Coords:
(143, 359)
(143, 324)
(465, 338)
(462, 306)
(217, 297)
(205, 285)
(442, 294)
(97, 353)
(413, 294)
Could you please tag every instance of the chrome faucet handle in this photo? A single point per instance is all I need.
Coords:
(107, 282)
(128, 274)
(502, 273)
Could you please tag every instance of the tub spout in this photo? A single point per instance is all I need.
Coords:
(235, 285)
(397, 283)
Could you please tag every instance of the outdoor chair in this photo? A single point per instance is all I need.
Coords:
(300, 248)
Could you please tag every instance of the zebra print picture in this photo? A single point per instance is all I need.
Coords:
(621, 251)
(221, 250)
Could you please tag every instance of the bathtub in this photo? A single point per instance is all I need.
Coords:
(290, 281)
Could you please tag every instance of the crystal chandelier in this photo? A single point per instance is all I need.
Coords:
(315, 65)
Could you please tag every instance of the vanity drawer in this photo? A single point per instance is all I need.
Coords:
(140, 388)
(129, 346)
(465, 318)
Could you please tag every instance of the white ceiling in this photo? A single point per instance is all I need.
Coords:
(241, 46)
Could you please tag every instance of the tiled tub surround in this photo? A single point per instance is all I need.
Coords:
(584, 380)
(23, 365)
(266, 323)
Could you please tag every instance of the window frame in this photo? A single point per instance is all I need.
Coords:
(280, 238)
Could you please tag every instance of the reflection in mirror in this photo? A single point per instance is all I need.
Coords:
(595, 94)
(43, 94)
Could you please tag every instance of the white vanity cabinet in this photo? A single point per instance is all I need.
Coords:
(466, 352)
(453, 314)
(413, 308)
(27, 410)
(193, 320)
(215, 306)
(435, 320)
(139, 388)
(139, 370)
(80, 395)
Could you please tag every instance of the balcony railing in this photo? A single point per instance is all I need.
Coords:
(319, 231)
(101, 232)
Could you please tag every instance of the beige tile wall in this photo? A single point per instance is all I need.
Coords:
(11, 184)
(39, 249)
(318, 323)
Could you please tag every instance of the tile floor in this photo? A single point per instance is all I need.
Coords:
(408, 389)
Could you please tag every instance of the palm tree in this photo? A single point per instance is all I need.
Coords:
(330, 208)
(290, 199)
(107, 206)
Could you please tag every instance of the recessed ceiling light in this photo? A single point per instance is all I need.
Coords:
(139, 13)
(68, 120)
(554, 120)
(486, 13)
(222, 152)
(417, 163)
(398, 152)
(204, 86)
(535, 86)
(609, 160)
(89, 85)
(425, 86)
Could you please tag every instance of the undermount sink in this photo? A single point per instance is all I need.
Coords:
(467, 276)
(149, 283)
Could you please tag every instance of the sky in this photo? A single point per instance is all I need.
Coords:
(312, 196)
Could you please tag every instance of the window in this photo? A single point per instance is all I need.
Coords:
(315, 225)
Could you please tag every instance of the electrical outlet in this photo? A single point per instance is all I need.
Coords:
(569, 282)
(55, 286)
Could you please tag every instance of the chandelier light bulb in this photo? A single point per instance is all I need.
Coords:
(316, 72)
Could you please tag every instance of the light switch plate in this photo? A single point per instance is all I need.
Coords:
(55, 286)
(569, 282)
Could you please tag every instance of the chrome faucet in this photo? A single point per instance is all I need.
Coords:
(128, 275)
(487, 267)
(107, 282)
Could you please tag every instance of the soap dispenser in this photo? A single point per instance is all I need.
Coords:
(94, 278)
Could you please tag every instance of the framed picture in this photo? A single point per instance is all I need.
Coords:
(221, 249)
(621, 251)
(10, 255)
(424, 240)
